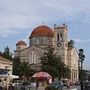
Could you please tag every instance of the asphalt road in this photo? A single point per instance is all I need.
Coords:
(43, 88)
(72, 88)
(64, 88)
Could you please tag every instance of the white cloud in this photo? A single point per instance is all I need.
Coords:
(25, 13)
(5, 32)
(82, 40)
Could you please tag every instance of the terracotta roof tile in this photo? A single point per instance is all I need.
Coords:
(42, 31)
(21, 43)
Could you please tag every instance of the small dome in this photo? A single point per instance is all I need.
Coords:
(21, 43)
(42, 31)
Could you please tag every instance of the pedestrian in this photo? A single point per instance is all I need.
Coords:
(68, 84)
(37, 85)
(23, 85)
(11, 87)
(1, 86)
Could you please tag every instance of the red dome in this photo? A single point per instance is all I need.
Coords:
(42, 31)
(21, 43)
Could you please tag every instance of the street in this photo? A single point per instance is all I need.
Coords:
(72, 88)
(64, 88)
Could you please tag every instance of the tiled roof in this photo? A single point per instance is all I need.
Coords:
(42, 31)
(21, 43)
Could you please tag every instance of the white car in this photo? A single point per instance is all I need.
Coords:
(17, 83)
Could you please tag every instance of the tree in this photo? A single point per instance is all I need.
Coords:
(64, 71)
(22, 68)
(7, 53)
(16, 65)
(25, 69)
(84, 74)
(53, 64)
(71, 43)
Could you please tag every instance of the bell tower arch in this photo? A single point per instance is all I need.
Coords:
(60, 41)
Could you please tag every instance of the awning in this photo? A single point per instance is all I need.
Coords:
(3, 76)
(42, 75)
(11, 76)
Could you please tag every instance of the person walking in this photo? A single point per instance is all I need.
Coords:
(11, 87)
(37, 85)
(1, 86)
(68, 84)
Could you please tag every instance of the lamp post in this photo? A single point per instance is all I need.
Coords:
(81, 59)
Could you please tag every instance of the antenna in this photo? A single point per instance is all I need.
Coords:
(64, 24)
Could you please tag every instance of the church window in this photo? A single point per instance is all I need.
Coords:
(60, 36)
(30, 58)
(46, 41)
(33, 58)
(37, 41)
(41, 40)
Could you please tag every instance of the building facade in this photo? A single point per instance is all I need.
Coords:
(5, 66)
(44, 36)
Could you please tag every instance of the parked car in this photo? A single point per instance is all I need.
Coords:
(17, 83)
(77, 83)
(25, 85)
(64, 82)
(87, 85)
(56, 85)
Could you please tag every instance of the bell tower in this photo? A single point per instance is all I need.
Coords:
(60, 41)
(20, 45)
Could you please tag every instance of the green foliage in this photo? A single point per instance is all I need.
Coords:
(51, 88)
(22, 68)
(84, 74)
(16, 65)
(53, 64)
(25, 69)
(7, 53)
(71, 43)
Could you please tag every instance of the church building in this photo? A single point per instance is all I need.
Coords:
(44, 36)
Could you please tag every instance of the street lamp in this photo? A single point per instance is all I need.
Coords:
(81, 59)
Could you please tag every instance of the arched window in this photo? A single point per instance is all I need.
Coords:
(37, 41)
(33, 58)
(41, 40)
(61, 37)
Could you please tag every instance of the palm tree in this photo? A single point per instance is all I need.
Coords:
(53, 64)
(7, 53)
(25, 69)
(16, 65)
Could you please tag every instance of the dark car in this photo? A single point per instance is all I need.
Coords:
(64, 82)
(25, 85)
(77, 83)
(87, 85)
(56, 85)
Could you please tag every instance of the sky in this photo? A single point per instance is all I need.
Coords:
(19, 17)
